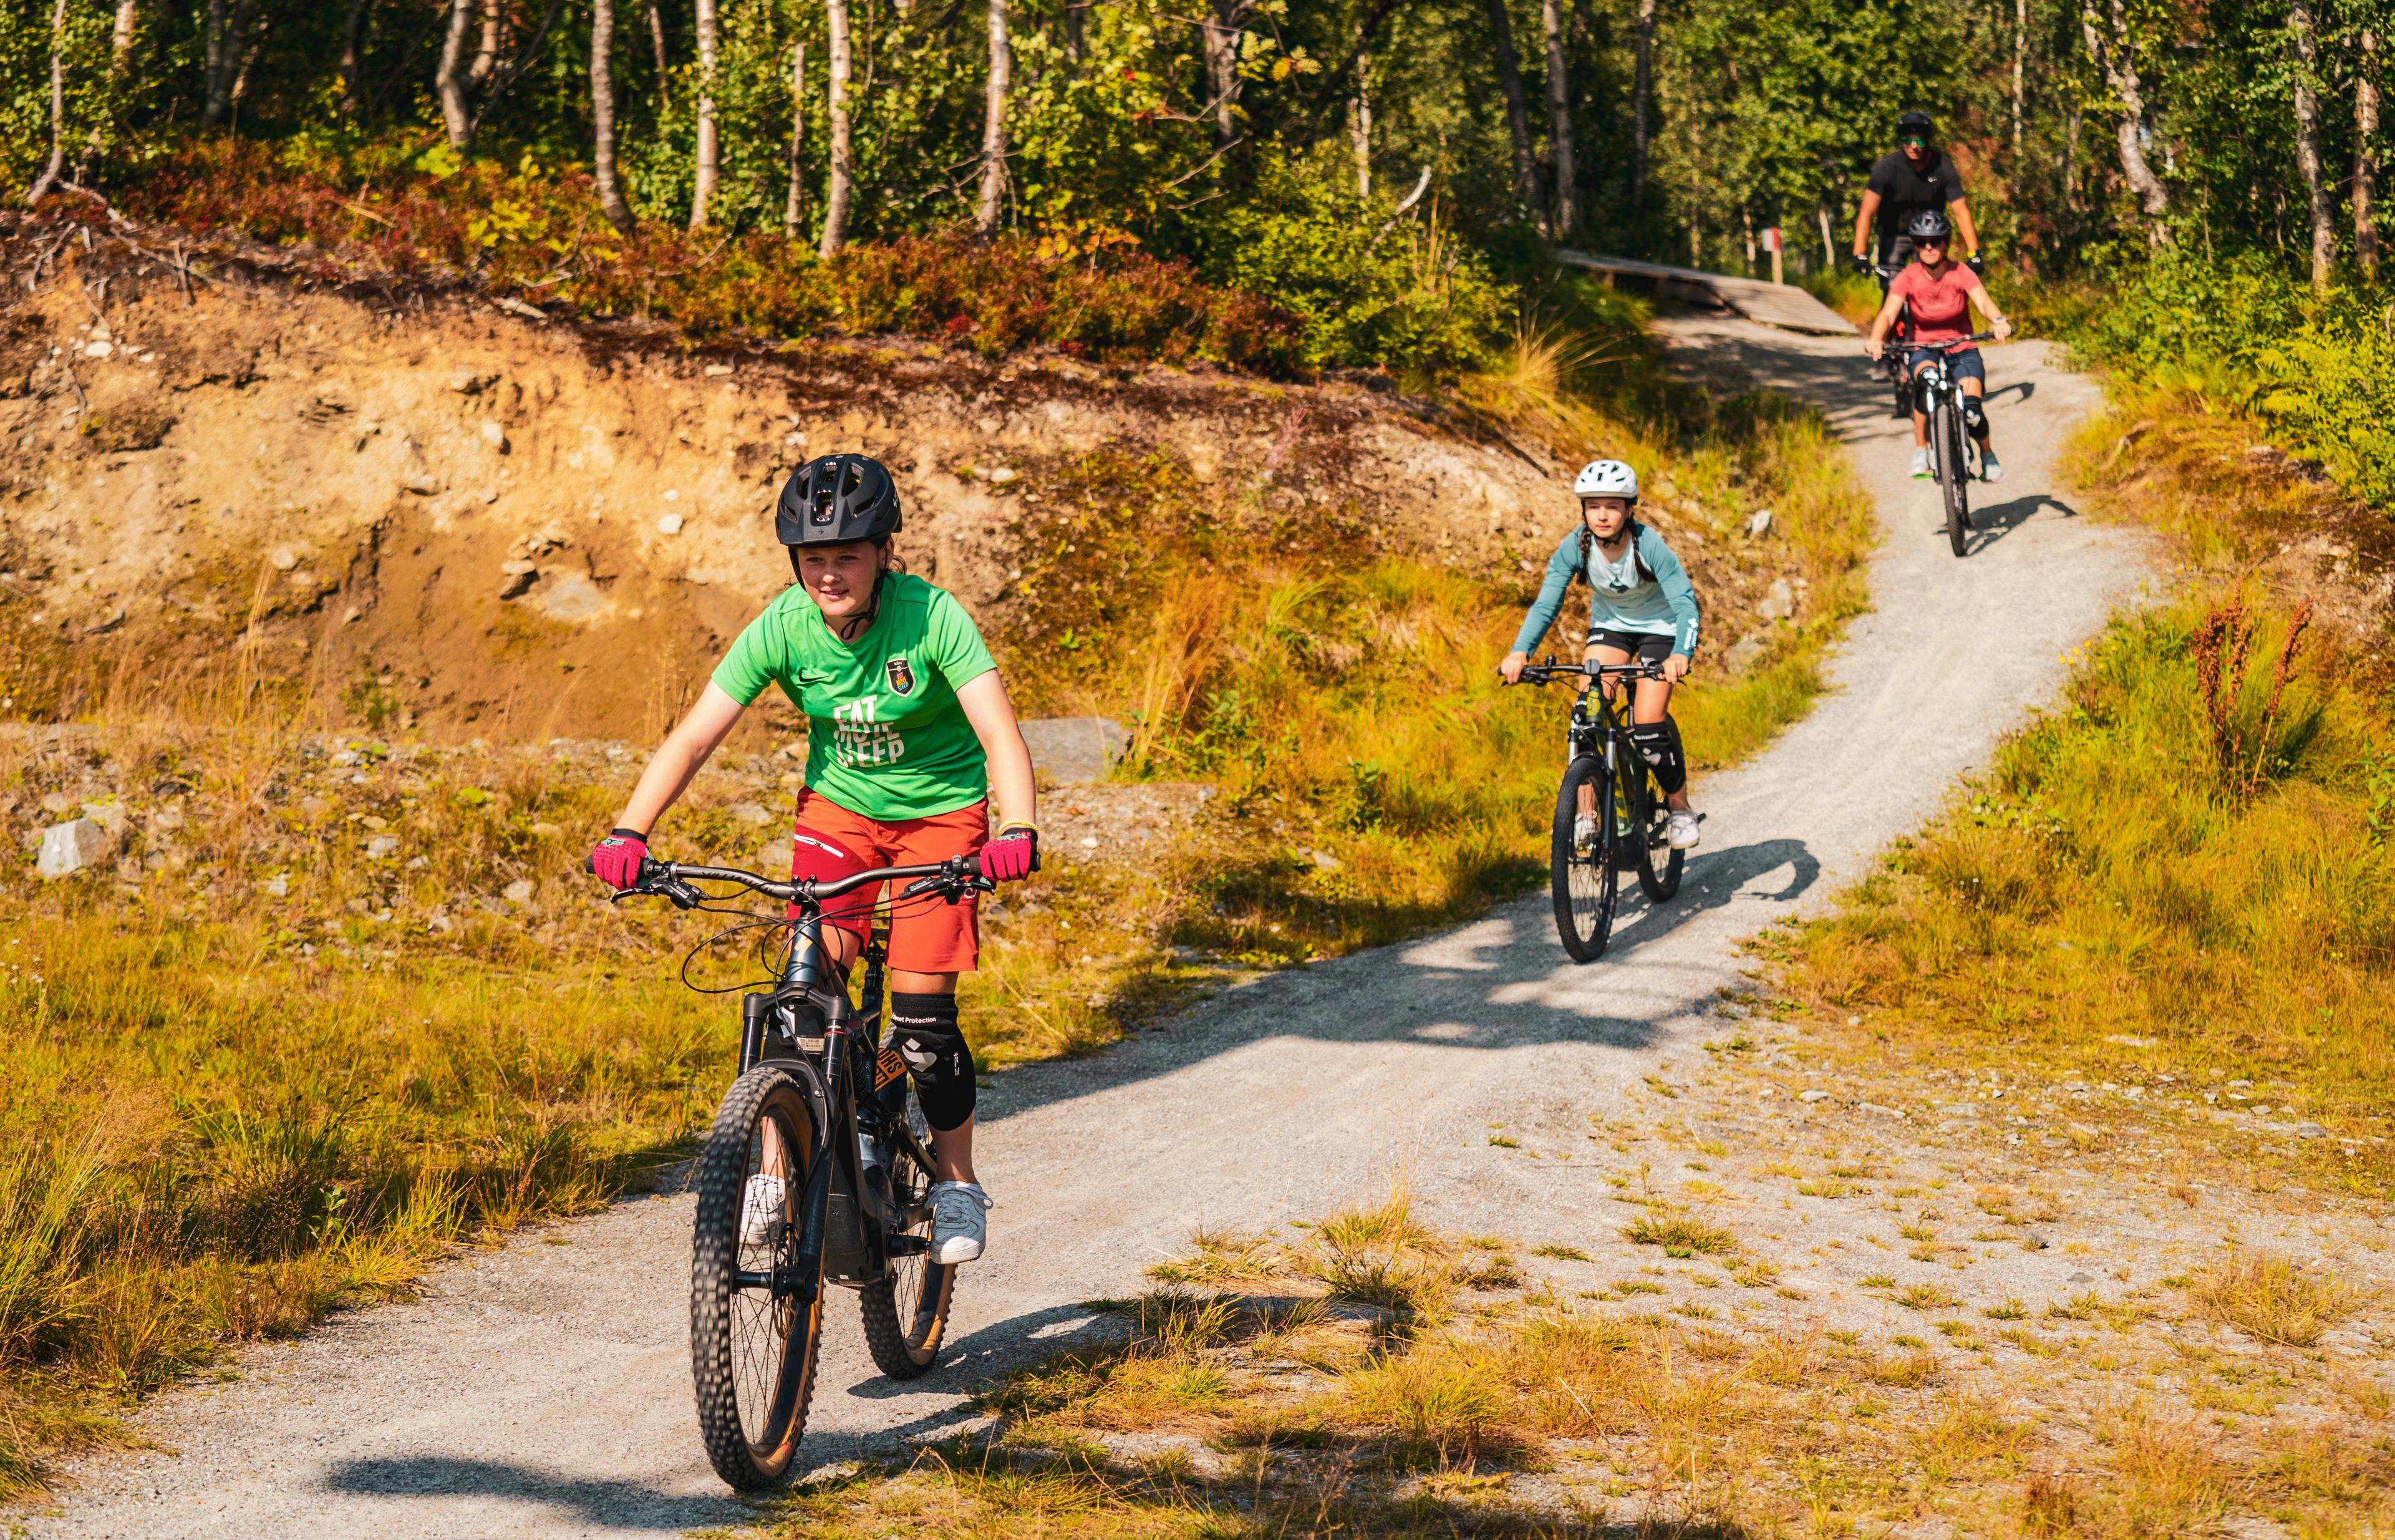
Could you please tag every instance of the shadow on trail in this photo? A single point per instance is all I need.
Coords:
(1994, 522)
(1501, 982)
(613, 1505)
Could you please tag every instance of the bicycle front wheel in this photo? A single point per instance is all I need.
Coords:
(752, 1343)
(906, 1312)
(1585, 881)
(1953, 476)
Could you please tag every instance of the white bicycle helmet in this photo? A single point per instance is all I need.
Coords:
(1607, 478)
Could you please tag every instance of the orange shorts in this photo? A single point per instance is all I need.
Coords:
(926, 935)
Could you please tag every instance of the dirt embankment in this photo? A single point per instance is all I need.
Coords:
(457, 516)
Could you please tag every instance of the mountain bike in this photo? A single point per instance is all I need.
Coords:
(1603, 769)
(1953, 454)
(1898, 335)
(824, 1107)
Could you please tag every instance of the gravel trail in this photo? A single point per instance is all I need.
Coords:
(543, 1390)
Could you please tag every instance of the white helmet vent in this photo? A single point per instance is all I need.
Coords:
(1607, 478)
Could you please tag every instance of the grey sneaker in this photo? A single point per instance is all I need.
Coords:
(762, 1209)
(959, 1230)
(1989, 469)
(1919, 471)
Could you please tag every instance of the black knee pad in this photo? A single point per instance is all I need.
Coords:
(1973, 416)
(1658, 744)
(923, 1030)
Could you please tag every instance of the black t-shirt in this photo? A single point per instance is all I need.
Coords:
(1904, 192)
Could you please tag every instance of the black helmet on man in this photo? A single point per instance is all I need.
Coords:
(1928, 224)
(837, 499)
(1909, 124)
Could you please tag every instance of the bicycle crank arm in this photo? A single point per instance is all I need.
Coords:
(910, 1245)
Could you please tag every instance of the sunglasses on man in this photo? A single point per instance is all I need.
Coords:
(1914, 142)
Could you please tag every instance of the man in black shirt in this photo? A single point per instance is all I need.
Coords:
(1907, 180)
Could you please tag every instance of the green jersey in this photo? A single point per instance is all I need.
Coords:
(886, 735)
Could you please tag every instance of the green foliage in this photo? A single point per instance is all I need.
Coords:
(2319, 370)
(1371, 285)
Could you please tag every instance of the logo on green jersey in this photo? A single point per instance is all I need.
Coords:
(902, 675)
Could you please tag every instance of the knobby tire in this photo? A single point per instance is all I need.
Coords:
(1586, 885)
(1953, 476)
(1660, 882)
(752, 1350)
(907, 1310)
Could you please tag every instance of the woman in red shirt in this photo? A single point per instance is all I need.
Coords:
(1942, 292)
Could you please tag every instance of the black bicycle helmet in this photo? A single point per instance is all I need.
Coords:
(1912, 123)
(837, 499)
(1929, 225)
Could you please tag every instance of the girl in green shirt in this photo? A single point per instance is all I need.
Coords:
(910, 737)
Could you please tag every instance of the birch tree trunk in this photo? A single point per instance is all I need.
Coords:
(1221, 39)
(835, 196)
(2108, 46)
(120, 55)
(1359, 113)
(486, 52)
(1642, 99)
(602, 115)
(2322, 197)
(993, 123)
(796, 203)
(354, 46)
(49, 176)
(2020, 60)
(226, 46)
(657, 44)
(449, 78)
(1518, 112)
(2365, 156)
(1559, 124)
(710, 168)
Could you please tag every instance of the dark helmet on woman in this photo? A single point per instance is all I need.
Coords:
(837, 499)
(1929, 225)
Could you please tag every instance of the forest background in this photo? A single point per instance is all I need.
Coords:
(1281, 185)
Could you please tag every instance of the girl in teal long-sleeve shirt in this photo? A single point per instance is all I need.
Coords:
(1641, 604)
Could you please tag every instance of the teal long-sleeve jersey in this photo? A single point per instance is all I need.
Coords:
(1648, 591)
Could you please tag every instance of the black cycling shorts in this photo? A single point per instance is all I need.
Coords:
(1646, 646)
(1967, 364)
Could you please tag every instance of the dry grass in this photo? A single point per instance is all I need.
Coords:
(1277, 1421)
(2274, 1298)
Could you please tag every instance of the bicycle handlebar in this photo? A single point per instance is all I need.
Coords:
(1546, 673)
(671, 880)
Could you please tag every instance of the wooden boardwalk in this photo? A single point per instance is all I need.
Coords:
(1782, 305)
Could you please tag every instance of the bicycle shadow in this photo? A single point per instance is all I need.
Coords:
(1993, 523)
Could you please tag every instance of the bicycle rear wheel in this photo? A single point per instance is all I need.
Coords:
(1953, 476)
(906, 1312)
(1658, 863)
(1586, 883)
(752, 1344)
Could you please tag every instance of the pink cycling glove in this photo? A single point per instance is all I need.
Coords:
(617, 858)
(1013, 855)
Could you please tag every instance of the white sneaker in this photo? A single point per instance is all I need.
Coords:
(1585, 829)
(959, 1231)
(1989, 469)
(1919, 471)
(1685, 831)
(761, 1210)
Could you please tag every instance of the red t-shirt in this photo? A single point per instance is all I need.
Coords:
(1941, 303)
